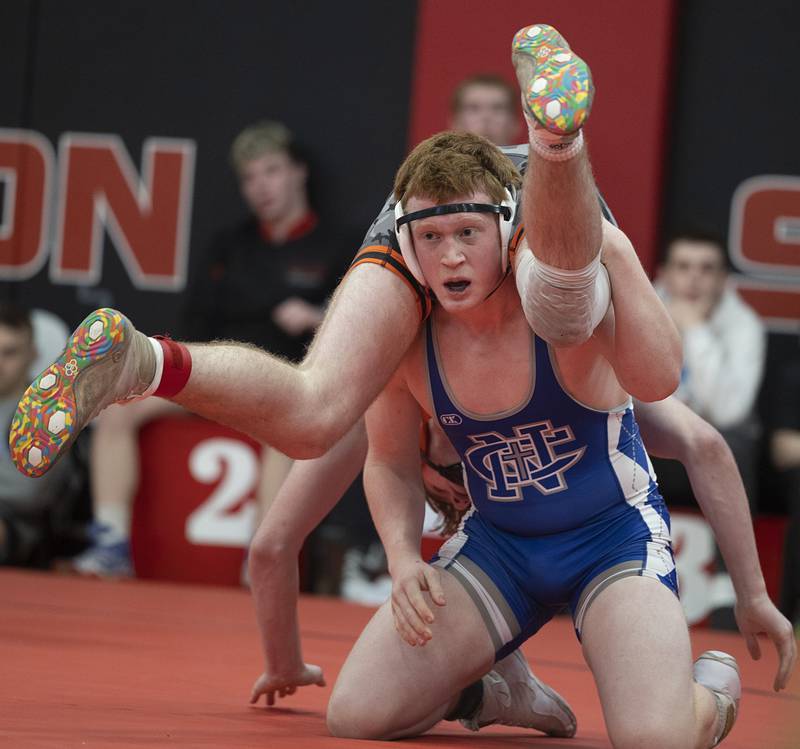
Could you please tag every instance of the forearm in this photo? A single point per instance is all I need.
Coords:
(397, 505)
(718, 487)
(785, 449)
(311, 489)
(275, 597)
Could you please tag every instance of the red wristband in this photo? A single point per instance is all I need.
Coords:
(177, 367)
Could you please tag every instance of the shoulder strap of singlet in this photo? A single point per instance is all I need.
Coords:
(440, 400)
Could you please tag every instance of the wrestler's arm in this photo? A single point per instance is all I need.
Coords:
(311, 489)
(393, 484)
(672, 430)
(646, 346)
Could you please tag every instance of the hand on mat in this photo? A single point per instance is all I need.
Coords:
(283, 686)
(760, 616)
(412, 615)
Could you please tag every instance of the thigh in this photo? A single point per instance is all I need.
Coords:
(371, 322)
(386, 685)
(636, 642)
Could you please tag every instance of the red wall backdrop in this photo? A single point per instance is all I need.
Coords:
(628, 45)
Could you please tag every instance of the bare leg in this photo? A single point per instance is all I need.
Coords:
(388, 690)
(561, 212)
(114, 458)
(275, 467)
(302, 411)
(636, 642)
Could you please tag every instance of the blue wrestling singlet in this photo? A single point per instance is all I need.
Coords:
(564, 502)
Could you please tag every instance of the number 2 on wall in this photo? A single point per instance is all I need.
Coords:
(226, 518)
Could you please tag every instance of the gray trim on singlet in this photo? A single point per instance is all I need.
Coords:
(471, 414)
(600, 582)
(489, 589)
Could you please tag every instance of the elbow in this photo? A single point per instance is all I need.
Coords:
(705, 440)
(269, 554)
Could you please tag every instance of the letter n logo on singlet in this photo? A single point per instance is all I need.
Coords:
(529, 458)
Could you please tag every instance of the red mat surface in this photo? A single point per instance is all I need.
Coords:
(87, 663)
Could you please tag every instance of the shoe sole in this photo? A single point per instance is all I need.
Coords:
(47, 420)
(559, 92)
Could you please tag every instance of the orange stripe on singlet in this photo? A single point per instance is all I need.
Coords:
(392, 260)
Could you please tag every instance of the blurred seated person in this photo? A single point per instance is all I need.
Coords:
(265, 281)
(724, 347)
(785, 454)
(24, 502)
(488, 105)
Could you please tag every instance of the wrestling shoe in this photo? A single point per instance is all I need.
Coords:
(108, 556)
(513, 696)
(719, 673)
(556, 84)
(106, 360)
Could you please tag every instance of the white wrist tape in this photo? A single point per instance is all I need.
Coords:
(562, 306)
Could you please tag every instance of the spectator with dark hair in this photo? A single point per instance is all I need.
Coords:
(486, 104)
(24, 502)
(724, 346)
(264, 281)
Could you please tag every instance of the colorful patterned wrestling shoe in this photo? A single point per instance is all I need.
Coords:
(106, 360)
(556, 84)
(719, 672)
(513, 696)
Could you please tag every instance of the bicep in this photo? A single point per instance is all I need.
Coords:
(393, 425)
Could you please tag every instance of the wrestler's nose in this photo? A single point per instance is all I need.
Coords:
(452, 255)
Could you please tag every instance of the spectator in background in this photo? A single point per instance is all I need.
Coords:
(724, 347)
(265, 281)
(785, 453)
(486, 104)
(24, 502)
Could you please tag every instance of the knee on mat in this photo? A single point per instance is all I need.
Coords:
(349, 718)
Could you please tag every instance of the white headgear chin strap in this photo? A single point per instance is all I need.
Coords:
(406, 242)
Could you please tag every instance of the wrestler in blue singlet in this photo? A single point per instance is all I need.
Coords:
(565, 502)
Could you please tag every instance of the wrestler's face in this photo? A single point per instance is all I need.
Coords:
(459, 253)
(273, 186)
(16, 356)
(486, 110)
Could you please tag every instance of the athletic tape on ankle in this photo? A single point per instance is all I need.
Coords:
(562, 306)
(158, 352)
(176, 369)
(553, 147)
